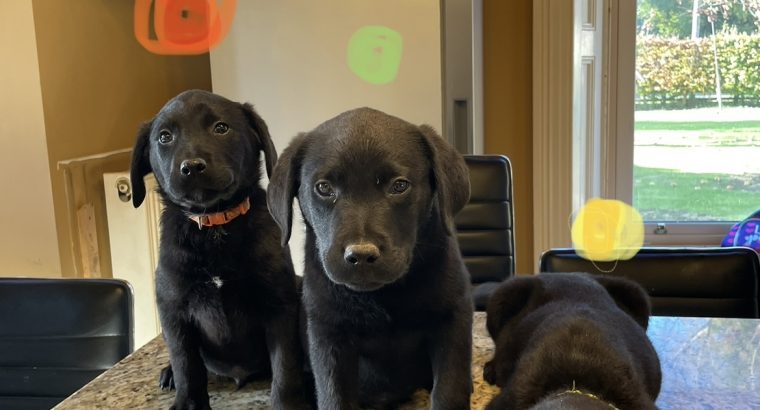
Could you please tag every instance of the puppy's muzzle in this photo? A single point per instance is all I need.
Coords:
(361, 254)
(194, 166)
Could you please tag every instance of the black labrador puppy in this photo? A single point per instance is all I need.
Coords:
(571, 341)
(385, 290)
(226, 288)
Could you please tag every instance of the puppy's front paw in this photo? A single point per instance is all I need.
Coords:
(500, 402)
(187, 403)
(294, 403)
(292, 400)
(166, 380)
(489, 372)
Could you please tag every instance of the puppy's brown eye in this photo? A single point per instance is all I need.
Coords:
(221, 128)
(324, 188)
(165, 137)
(399, 186)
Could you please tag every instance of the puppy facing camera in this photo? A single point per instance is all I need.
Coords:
(386, 293)
(571, 341)
(226, 289)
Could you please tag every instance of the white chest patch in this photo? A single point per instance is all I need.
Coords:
(216, 280)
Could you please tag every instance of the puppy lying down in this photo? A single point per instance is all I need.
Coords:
(571, 341)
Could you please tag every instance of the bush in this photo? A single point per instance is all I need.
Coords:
(682, 70)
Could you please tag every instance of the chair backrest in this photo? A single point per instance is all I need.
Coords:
(485, 226)
(58, 334)
(692, 281)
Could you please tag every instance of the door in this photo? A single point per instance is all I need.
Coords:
(133, 236)
(462, 72)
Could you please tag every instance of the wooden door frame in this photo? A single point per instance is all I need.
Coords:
(552, 123)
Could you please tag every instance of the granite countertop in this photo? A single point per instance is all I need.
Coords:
(133, 382)
(707, 363)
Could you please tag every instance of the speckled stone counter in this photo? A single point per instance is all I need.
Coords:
(133, 383)
(706, 363)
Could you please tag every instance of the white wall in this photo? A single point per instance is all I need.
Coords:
(28, 242)
(288, 58)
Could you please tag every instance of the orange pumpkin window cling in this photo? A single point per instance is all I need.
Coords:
(182, 26)
(607, 230)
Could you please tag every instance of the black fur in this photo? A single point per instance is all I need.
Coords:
(396, 315)
(248, 326)
(554, 330)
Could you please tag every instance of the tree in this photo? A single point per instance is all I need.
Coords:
(665, 18)
(753, 8)
(713, 9)
(677, 18)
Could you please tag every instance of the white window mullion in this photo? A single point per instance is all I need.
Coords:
(587, 90)
(618, 101)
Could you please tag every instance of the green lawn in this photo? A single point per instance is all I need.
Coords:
(699, 133)
(665, 194)
(724, 186)
(711, 126)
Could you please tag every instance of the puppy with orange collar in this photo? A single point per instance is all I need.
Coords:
(226, 288)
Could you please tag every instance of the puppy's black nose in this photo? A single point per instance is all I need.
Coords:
(192, 166)
(361, 253)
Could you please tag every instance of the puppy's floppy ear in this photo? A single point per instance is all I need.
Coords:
(509, 300)
(283, 185)
(140, 165)
(629, 296)
(450, 176)
(264, 139)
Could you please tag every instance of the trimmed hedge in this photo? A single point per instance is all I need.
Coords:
(671, 69)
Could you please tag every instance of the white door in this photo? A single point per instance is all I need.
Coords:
(133, 235)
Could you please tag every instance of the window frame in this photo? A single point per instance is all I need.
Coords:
(620, 47)
(554, 191)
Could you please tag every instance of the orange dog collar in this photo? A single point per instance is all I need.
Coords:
(221, 218)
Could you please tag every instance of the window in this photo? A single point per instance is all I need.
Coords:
(604, 157)
(696, 133)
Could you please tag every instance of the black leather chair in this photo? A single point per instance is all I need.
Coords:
(485, 226)
(58, 334)
(693, 281)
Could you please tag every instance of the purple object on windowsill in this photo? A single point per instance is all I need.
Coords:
(745, 233)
